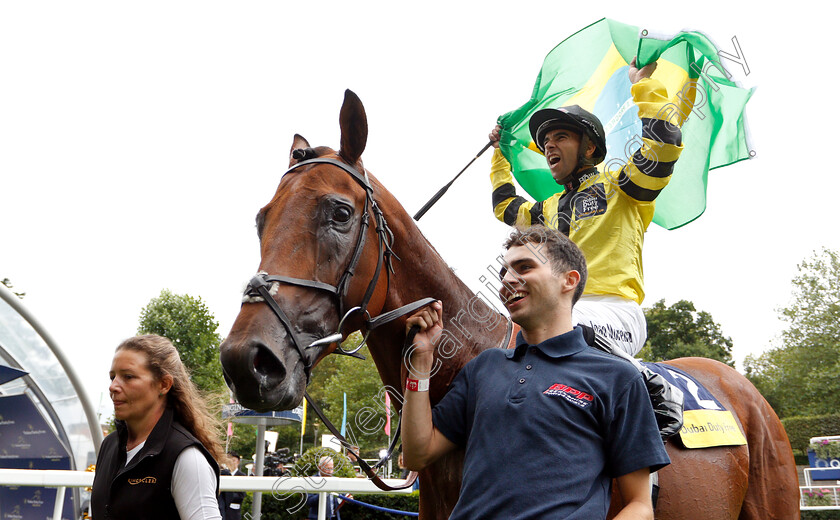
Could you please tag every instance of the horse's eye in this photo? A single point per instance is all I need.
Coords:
(342, 214)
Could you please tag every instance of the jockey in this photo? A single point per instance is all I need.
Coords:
(604, 213)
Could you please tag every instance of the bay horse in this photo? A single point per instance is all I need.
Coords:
(316, 231)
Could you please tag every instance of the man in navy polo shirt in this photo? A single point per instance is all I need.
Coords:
(545, 426)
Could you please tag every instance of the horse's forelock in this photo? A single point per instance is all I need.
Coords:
(304, 154)
(307, 153)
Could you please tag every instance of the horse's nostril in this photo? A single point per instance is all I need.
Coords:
(268, 368)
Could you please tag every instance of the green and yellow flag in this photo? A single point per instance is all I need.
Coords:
(590, 69)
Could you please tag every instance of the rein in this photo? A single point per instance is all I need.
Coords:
(262, 287)
(369, 471)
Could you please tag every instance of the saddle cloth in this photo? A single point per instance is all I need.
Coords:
(706, 422)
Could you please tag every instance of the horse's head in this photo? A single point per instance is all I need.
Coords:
(324, 244)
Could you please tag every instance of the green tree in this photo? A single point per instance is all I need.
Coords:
(243, 441)
(682, 331)
(191, 327)
(331, 378)
(307, 464)
(336, 375)
(801, 375)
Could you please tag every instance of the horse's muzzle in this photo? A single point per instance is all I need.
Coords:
(258, 378)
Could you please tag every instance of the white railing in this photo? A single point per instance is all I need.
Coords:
(278, 486)
(809, 482)
(286, 486)
(819, 497)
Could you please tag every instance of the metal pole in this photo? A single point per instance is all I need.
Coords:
(322, 505)
(87, 406)
(258, 469)
(59, 503)
(301, 438)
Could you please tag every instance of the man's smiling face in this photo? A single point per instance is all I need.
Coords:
(529, 285)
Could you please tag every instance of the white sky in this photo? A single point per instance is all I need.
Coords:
(138, 141)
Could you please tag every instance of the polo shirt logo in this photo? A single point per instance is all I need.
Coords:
(574, 396)
(145, 480)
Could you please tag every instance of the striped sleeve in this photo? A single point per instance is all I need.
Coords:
(509, 207)
(649, 170)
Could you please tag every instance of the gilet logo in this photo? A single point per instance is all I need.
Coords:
(145, 480)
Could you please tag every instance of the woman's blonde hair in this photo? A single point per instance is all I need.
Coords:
(189, 407)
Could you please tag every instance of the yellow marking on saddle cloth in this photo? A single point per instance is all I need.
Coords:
(707, 428)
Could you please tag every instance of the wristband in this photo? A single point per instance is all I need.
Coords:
(417, 385)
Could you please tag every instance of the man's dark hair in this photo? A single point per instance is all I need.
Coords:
(561, 252)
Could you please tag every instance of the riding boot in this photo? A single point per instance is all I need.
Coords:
(666, 399)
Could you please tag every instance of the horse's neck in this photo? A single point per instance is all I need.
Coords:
(471, 322)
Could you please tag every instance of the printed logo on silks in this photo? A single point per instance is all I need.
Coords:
(590, 202)
(574, 396)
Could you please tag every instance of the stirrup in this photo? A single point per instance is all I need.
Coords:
(654, 488)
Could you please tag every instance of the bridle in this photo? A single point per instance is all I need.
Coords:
(262, 285)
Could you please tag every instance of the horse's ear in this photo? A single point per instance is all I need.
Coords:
(299, 143)
(354, 128)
